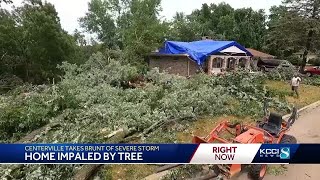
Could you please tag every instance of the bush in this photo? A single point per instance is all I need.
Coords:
(282, 73)
(295, 60)
(314, 81)
(315, 61)
(9, 82)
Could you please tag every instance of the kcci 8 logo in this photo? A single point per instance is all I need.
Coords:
(282, 153)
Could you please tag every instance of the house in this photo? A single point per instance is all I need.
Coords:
(188, 58)
(260, 55)
(311, 55)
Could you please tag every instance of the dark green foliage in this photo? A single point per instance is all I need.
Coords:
(8, 82)
(315, 61)
(131, 25)
(32, 42)
(278, 43)
(221, 22)
(295, 60)
(294, 27)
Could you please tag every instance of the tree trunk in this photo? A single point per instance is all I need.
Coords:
(27, 72)
(310, 36)
(306, 52)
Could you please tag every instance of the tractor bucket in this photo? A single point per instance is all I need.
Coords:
(198, 140)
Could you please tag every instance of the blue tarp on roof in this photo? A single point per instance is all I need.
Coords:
(199, 50)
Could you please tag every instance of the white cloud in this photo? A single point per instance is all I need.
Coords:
(71, 10)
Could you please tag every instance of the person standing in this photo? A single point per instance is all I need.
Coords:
(295, 83)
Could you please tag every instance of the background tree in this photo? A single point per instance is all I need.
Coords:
(184, 28)
(273, 44)
(131, 25)
(222, 22)
(146, 32)
(10, 43)
(33, 41)
(250, 27)
(99, 20)
(80, 38)
(297, 28)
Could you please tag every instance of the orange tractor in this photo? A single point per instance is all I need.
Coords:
(272, 129)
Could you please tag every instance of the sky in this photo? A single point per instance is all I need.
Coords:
(71, 10)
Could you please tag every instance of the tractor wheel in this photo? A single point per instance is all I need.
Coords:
(257, 172)
(287, 139)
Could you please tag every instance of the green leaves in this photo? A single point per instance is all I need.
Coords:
(32, 42)
(294, 27)
(122, 24)
(221, 22)
(99, 20)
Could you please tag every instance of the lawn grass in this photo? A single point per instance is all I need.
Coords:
(308, 94)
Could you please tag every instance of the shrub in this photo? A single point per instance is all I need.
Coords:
(315, 61)
(295, 60)
(282, 73)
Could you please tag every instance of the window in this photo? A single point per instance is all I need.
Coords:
(242, 62)
(217, 63)
(231, 63)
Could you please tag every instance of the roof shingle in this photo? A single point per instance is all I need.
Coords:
(259, 54)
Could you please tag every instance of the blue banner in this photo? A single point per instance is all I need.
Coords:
(159, 153)
(288, 153)
(96, 153)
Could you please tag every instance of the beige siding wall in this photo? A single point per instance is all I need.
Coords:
(312, 56)
(174, 65)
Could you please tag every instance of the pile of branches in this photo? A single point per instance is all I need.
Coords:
(285, 74)
(89, 103)
(8, 82)
(282, 73)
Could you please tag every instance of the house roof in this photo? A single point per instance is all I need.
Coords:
(166, 55)
(200, 50)
(260, 54)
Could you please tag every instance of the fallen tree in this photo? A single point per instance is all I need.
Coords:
(89, 108)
